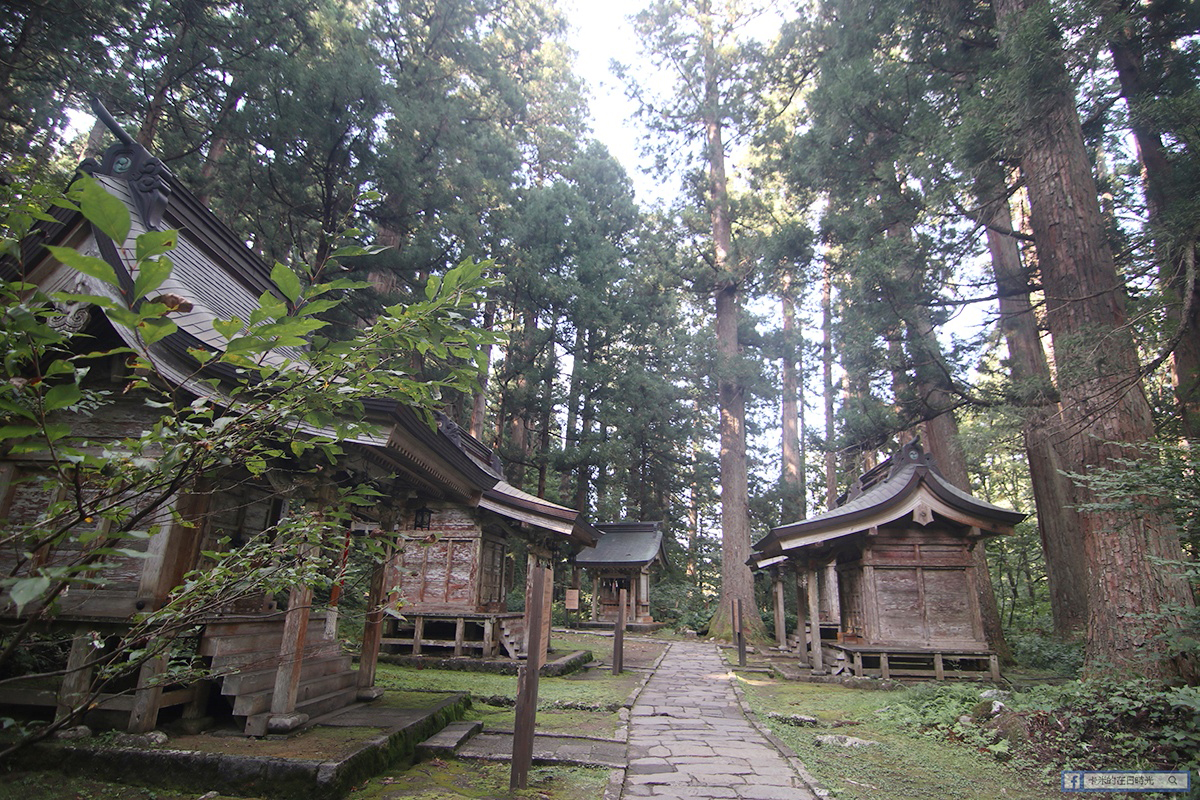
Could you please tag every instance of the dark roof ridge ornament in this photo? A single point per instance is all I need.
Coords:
(128, 159)
(910, 452)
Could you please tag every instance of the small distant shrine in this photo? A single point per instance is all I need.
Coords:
(622, 558)
(885, 580)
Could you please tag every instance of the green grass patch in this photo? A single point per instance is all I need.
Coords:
(454, 779)
(56, 786)
(597, 690)
(907, 765)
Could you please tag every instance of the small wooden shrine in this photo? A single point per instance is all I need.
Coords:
(452, 576)
(622, 559)
(894, 560)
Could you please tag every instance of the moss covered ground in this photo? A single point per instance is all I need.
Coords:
(906, 765)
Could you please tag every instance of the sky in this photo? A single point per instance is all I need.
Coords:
(600, 33)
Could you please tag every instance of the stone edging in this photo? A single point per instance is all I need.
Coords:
(268, 776)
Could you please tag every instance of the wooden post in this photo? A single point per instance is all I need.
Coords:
(801, 616)
(527, 693)
(833, 593)
(490, 644)
(619, 635)
(939, 667)
(780, 611)
(816, 657)
(595, 597)
(368, 657)
(78, 678)
(291, 656)
(460, 630)
(147, 699)
(885, 670)
(739, 632)
(418, 634)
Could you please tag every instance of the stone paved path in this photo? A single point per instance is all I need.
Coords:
(688, 737)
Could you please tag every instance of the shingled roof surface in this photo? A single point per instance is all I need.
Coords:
(623, 544)
(887, 488)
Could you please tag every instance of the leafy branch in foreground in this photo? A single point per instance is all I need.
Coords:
(273, 397)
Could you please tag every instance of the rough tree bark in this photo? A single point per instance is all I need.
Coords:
(1105, 413)
(791, 479)
(1058, 523)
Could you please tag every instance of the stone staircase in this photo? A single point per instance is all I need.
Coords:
(244, 657)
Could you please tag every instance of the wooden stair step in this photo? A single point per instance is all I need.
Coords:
(229, 639)
(267, 658)
(256, 680)
(323, 704)
(256, 724)
(447, 741)
(250, 703)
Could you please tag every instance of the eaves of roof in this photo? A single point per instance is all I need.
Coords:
(910, 486)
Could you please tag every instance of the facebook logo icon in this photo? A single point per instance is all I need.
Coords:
(1072, 781)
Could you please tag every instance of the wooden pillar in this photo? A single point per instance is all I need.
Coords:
(644, 592)
(460, 625)
(816, 657)
(368, 657)
(291, 662)
(595, 597)
(147, 699)
(77, 680)
(418, 634)
(780, 609)
(539, 640)
(801, 614)
(540, 578)
(619, 635)
(634, 600)
(833, 594)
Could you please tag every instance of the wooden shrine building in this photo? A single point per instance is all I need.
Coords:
(452, 577)
(270, 662)
(891, 567)
(622, 559)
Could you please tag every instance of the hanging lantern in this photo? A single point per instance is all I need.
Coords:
(422, 518)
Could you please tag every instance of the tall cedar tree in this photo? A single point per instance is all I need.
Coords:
(1137, 587)
(699, 39)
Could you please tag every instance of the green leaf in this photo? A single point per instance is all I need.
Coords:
(150, 275)
(358, 250)
(228, 328)
(287, 281)
(317, 307)
(18, 431)
(103, 210)
(25, 590)
(62, 396)
(155, 243)
(14, 408)
(201, 354)
(89, 265)
(152, 330)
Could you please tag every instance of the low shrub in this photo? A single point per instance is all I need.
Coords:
(1095, 724)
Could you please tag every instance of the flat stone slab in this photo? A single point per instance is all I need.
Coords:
(447, 741)
(572, 750)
